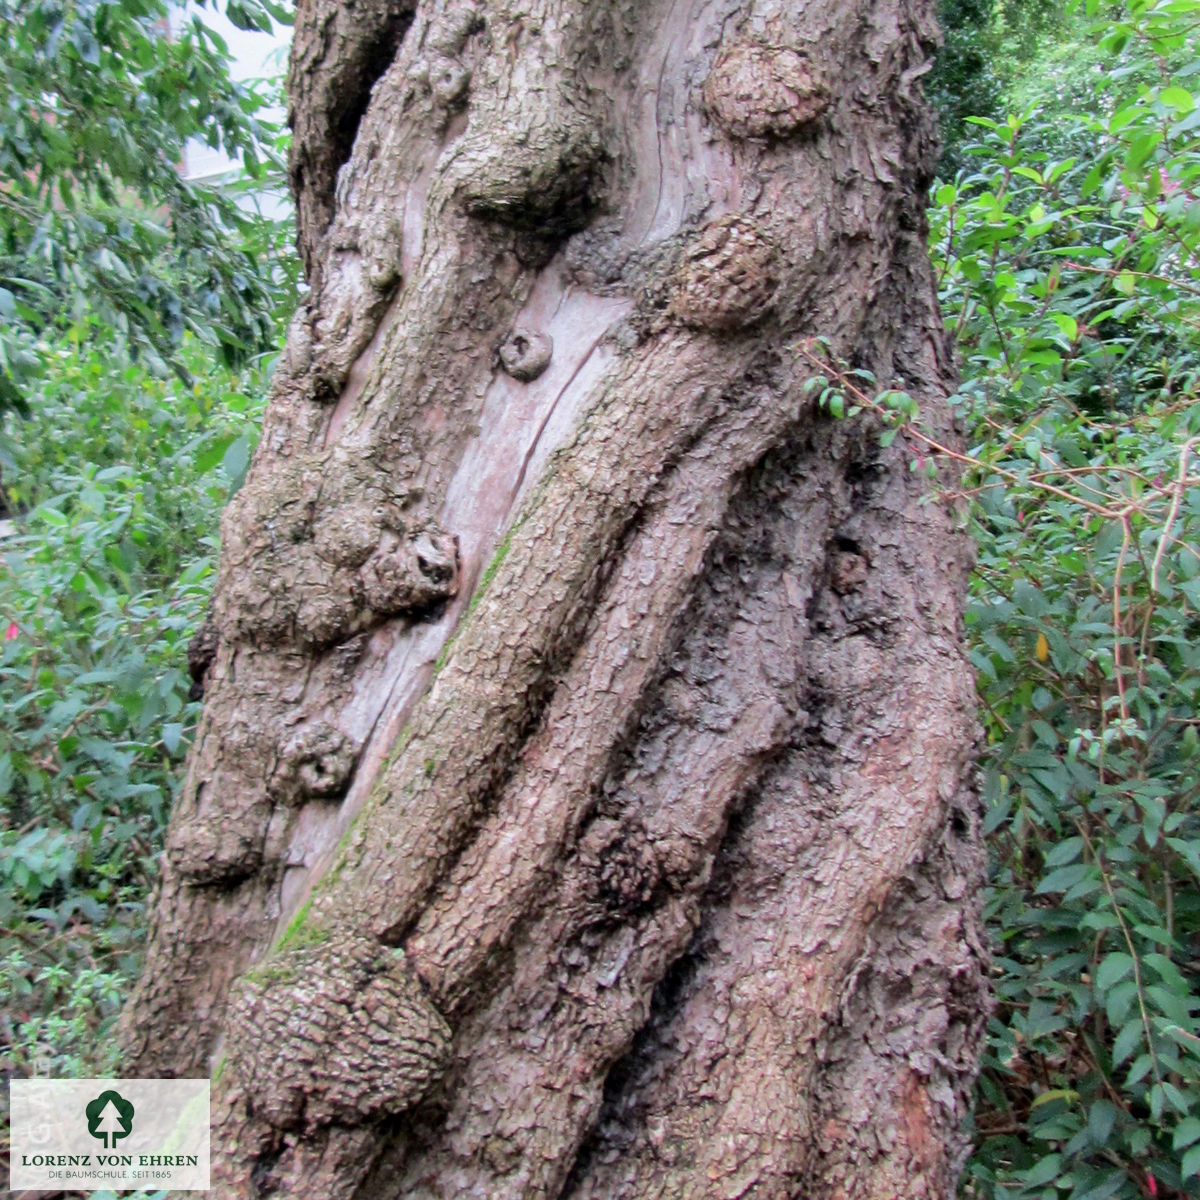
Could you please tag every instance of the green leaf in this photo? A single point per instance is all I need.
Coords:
(1178, 98)
(1066, 851)
(1044, 1171)
(1067, 325)
(211, 457)
(1113, 969)
(1186, 1132)
(1064, 878)
(1141, 147)
(1118, 1001)
(1130, 1037)
(236, 459)
(1102, 1117)
(1191, 1163)
(1167, 971)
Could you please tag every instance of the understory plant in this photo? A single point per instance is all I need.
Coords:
(1068, 266)
(99, 228)
(118, 477)
(138, 312)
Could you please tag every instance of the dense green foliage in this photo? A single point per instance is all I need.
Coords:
(1067, 246)
(986, 47)
(1068, 261)
(95, 218)
(135, 309)
(122, 476)
(1067, 253)
(963, 82)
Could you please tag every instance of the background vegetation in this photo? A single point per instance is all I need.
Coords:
(140, 313)
(1067, 253)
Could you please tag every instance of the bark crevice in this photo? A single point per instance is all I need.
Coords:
(338, 54)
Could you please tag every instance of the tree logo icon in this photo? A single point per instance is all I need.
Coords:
(109, 1117)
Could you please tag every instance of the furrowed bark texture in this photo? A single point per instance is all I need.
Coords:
(582, 804)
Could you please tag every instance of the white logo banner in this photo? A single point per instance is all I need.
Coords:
(109, 1133)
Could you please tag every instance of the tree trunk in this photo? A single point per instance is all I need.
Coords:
(583, 805)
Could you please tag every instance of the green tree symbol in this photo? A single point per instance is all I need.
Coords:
(109, 1116)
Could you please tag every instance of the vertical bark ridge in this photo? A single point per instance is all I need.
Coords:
(338, 53)
(896, 1064)
(718, 1097)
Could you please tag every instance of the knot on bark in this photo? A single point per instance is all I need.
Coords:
(348, 534)
(412, 574)
(314, 569)
(296, 356)
(362, 270)
(525, 355)
(624, 865)
(449, 80)
(727, 278)
(201, 652)
(367, 1044)
(847, 571)
(444, 73)
(314, 763)
(382, 241)
(539, 171)
(219, 849)
(758, 91)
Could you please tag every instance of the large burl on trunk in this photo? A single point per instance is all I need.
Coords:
(582, 804)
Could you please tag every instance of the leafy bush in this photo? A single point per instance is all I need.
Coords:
(988, 48)
(95, 218)
(1069, 271)
(102, 583)
(963, 82)
(121, 283)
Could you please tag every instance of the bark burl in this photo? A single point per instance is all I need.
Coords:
(582, 805)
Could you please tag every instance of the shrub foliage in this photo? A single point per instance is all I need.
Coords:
(1069, 274)
(103, 579)
(135, 309)
(96, 221)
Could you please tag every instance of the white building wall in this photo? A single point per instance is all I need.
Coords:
(254, 55)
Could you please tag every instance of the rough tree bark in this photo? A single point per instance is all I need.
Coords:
(582, 804)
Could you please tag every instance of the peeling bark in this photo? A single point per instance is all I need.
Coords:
(582, 804)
